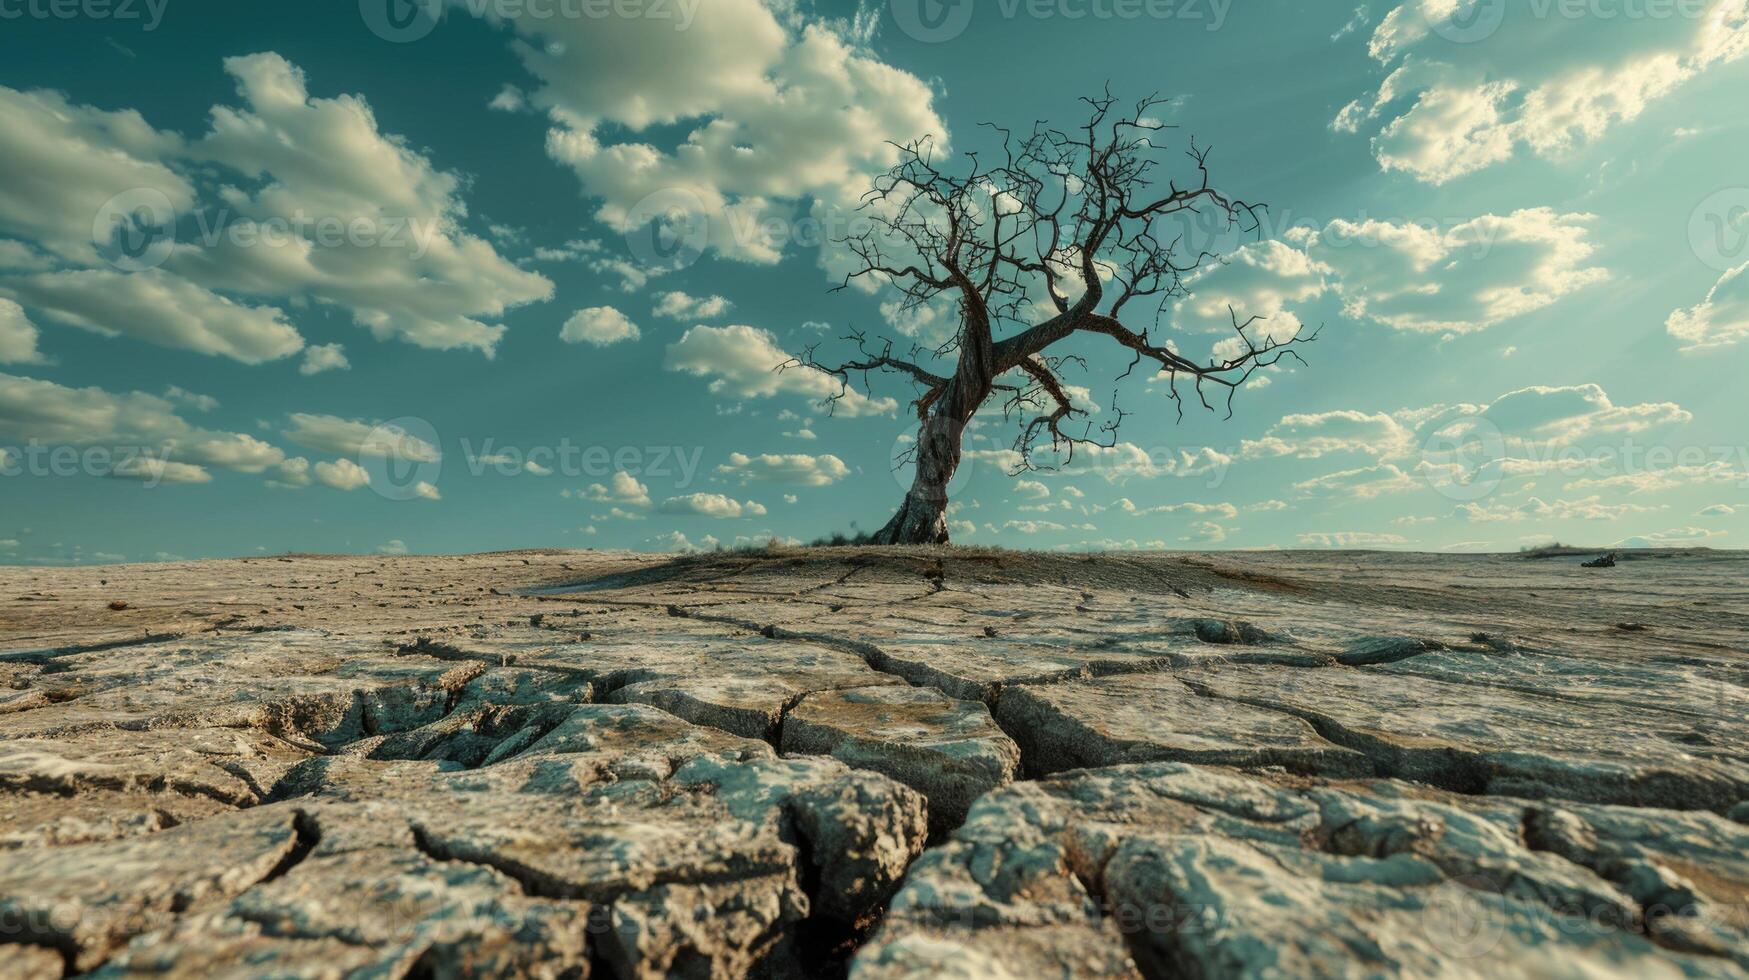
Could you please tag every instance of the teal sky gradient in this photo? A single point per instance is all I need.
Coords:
(1602, 202)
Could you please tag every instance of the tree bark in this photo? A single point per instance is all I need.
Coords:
(922, 518)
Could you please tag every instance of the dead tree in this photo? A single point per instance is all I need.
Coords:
(1072, 234)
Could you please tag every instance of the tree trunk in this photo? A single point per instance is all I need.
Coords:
(922, 518)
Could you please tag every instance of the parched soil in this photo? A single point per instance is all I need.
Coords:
(882, 762)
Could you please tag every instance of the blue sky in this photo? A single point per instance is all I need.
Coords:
(390, 287)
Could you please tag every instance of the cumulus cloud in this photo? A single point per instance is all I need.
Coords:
(1350, 539)
(677, 305)
(158, 308)
(1676, 537)
(1588, 509)
(599, 325)
(1029, 527)
(1546, 84)
(1364, 483)
(1522, 421)
(621, 488)
(291, 474)
(18, 336)
(350, 437)
(155, 470)
(795, 469)
(1129, 506)
(1205, 532)
(1461, 279)
(1260, 279)
(1115, 464)
(1315, 434)
(146, 425)
(337, 212)
(342, 474)
(324, 357)
(62, 162)
(743, 362)
(712, 505)
(771, 112)
(1720, 320)
(1416, 277)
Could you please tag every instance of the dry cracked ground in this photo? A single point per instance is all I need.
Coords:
(882, 762)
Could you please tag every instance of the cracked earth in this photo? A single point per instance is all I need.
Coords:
(878, 762)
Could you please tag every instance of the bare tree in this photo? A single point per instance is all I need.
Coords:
(1071, 234)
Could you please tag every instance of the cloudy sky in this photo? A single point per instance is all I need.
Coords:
(350, 277)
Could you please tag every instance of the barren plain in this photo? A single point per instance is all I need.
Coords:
(881, 762)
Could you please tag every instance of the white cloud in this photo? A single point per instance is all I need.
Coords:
(1654, 479)
(337, 212)
(1261, 279)
(772, 113)
(426, 491)
(621, 488)
(712, 505)
(1309, 436)
(677, 305)
(676, 541)
(1227, 511)
(291, 474)
(1029, 527)
(1116, 463)
(324, 357)
(342, 474)
(42, 411)
(395, 547)
(1205, 532)
(1716, 510)
(1461, 279)
(18, 336)
(61, 163)
(1350, 539)
(418, 276)
(599, 325)
(1031, 490)
(1546, 83)
(348, 437)
(1364, 483)
(1525, 422)
(795, 469)
(1676, 537)
(743, 362)
(159, 308)
(154, 470)
(1587, 509)
(1719, 320)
